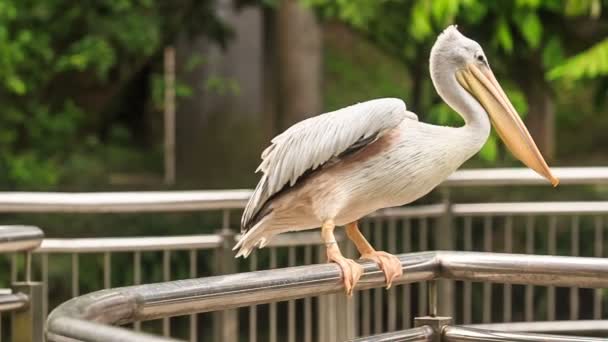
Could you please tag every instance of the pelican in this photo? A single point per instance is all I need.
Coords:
(333, 169)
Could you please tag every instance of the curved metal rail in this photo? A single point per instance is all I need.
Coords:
(134, 303)
(19, 238)
(12, 301)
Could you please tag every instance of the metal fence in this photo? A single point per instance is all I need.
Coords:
(23, 298)
(521, 227)
(86, 318)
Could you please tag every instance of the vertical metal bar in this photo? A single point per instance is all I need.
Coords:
(45, 285)
(529, 295)
(406, 289)
(307, 301)
(552, 250)
(137, 279)
(291, 305)
(273, 306)
(575, 252)
(226, 322)
(13, 267)
(193, 318)
(598, 252)
(378, 292)
(422, 288)
(28, 324)
(444, 240)
(433, 298)
(28, 266)
(75, 275)
(487, 287)
(253, 310)
(467, 302)
(137, 267)
(349, 325)
(366, 298)
(166, 277)
(392, 295)
(107, 270)
(507, 290)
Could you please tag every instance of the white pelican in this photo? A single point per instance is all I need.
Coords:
(335, 168)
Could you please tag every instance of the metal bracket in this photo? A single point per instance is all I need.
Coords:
(436, 323)
(28, 322)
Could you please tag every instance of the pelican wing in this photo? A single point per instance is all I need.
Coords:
(312, 142)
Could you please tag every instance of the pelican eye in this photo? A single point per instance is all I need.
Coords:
(480, 58)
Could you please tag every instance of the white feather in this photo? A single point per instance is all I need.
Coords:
(312, 142)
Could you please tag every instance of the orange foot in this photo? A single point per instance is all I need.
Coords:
(388, 263)
(351, 271)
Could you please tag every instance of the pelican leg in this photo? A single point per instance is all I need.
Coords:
(388, 263)
(351, 271)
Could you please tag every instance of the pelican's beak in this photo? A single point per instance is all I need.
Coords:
(480, 82)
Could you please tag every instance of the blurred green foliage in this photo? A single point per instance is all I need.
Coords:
(62, 66)
(514, 34)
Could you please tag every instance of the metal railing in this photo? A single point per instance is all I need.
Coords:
(522, 227)
(86, 318)
(22, 300)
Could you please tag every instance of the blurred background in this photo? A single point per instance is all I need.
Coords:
(185, 94)
(83, 90)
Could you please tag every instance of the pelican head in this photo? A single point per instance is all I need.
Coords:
(463, 78)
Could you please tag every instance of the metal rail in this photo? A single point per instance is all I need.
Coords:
(12, 301)
(19, 238)
(420, 334)
(564, 327)
(525, 176)
(143, 302)
(165, 201)
(464, 334)
(24, 298)
(129, 244)
(122, 202)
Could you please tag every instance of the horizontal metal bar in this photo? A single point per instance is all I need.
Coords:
(430, 210)
(420, 334)
(525, 176)
(158, 201)
(121, 202)
(19, 238)
(12, 301)
(152, 301)
(462, 334)
(530, 208)
(97, 245)
(498, 209)
(295, 239)
(565, 327)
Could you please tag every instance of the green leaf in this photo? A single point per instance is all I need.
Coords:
(553, 53)
(16, 85)
(503, 34)
(590, 63)
(489, 151)
(420, 26)
(531, 29)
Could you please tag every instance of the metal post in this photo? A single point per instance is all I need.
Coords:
(346, 307)
(433, 298)
(435, 323)
(445, 242)
(28, 323)
(226, 321)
